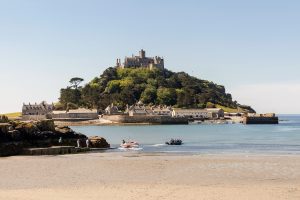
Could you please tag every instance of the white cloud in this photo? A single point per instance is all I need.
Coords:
(281, 98)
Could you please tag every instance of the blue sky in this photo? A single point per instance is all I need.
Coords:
(250, 47)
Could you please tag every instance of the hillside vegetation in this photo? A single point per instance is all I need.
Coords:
(130, 85)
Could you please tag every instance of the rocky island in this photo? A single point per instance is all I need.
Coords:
(141, 90)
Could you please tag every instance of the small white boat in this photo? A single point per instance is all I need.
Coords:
(128, 145)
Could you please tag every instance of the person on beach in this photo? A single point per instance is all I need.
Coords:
(123, 142)
(78, 143)
(87, 143)
(60, 140)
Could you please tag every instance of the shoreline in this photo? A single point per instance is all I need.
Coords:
(111, 123)
(128, 176)
(93, 123)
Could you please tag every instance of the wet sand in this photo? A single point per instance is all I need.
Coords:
(150, 176)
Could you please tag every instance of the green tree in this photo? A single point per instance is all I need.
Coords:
(113, 86)
(166, 96)
(3, 119)
(75, 82)
(90, 95)
(158, 86)
(70, 95)
(149, 95)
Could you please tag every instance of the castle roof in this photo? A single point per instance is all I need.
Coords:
(41, 106)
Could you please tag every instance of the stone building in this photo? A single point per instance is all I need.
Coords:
(112, 110)
(216, 112)
(208, 113)
(37, 109)
(142, 109)
(191, 113)
(79, 114)
(141, 61)
(162, 110)
(138, 109)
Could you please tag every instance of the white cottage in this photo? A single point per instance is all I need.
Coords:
(208, 113)
(166, 111)
(191, 113)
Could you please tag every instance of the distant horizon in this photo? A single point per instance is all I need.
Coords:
(252, 48)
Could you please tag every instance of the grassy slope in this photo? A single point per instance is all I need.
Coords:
(13, 115)
(226, 109)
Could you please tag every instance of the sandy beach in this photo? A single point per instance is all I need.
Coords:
(150, 176)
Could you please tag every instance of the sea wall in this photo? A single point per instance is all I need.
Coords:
(62, 117)
(146, 119)
(74, 116)
(260, 120)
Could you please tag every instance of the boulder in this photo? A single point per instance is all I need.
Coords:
(63, 129)
(15, 135)
(4, 136)
(98, 142)
(4, 128)
(46, 125)
(47, 135)
(10, 149)
(28, 128)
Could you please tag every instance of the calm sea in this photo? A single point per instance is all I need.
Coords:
(283, 138)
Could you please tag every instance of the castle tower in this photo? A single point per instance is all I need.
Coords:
(118, 63)
(142, 53)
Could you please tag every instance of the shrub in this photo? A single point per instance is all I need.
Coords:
(3, 119)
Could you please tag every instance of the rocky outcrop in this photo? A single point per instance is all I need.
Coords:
(98, 142)
(16, 135)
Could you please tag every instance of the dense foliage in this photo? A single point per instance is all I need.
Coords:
(127, 86)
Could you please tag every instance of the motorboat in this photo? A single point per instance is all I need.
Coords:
(131, 144)
(174, 142)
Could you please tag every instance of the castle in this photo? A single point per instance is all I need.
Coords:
(141, 61)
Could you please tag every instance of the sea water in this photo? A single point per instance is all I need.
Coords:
(282, 138)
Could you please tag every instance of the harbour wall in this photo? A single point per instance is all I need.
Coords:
(260, 120)
(75, 116)
(146, 119)
(62, 117)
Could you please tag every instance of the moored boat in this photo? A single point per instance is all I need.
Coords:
(174, 142)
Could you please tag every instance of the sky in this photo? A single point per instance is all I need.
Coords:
(252, 47)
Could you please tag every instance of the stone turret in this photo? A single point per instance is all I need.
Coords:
(142, 53)
(118, 63)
